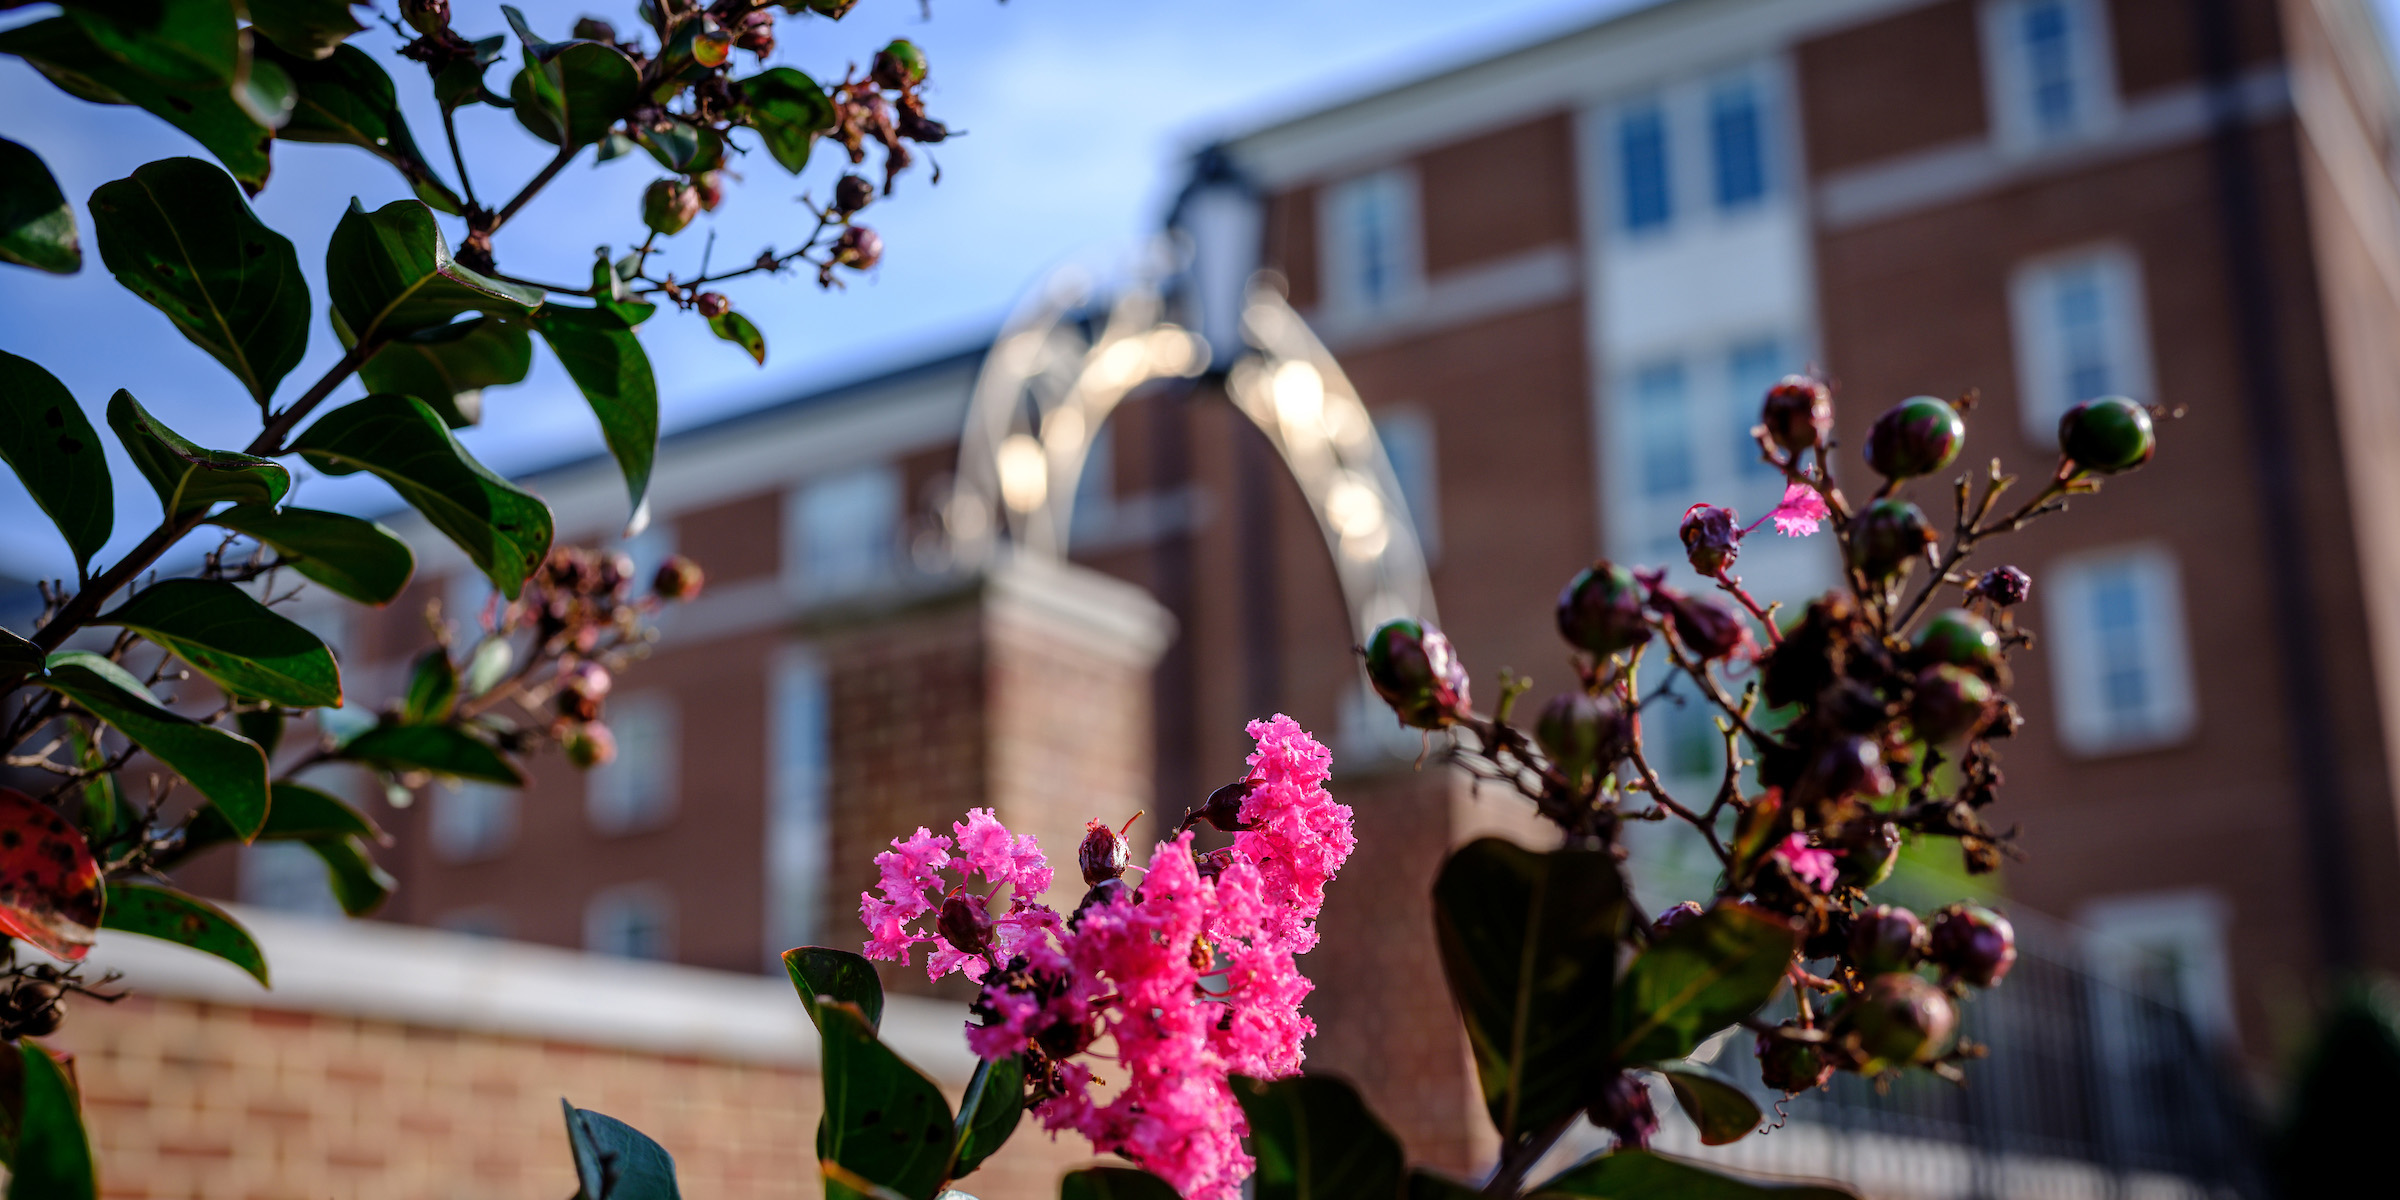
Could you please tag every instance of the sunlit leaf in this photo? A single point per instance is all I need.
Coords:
(988, 1112)
(570, 93)
(390, 273)
(351, 556)
(1723, 1112)
(65, 54)
(432, 689)
(736, 328)
(441, 749)
(309, 29)
(53, 1155)
(194, 42)
(169, 915)
(187, 476)
(789, 111)
(606, 361)
(884, 1119)
(448, 366)
(241, 645)
(37, 227)
(1711, 971)
(348, 99)
(820, 973)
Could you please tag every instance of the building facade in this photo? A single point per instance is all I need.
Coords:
(1561, 278)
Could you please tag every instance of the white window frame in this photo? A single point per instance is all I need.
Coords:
(287, 877)
(608, 906)
(799, 801)
(1679, 170)
(2008, 82)
(2075, 658)
(2192, 923)
(459, 834)
(1417, 468)
(611, 808)
(2040, 350)
(798, 506)
(1401, 243)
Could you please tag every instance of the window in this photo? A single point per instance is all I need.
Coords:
(1407, 436)
(2080, 334)
(1738, 144)
(800, 750)
(287, 877)
(2165, 946)
(1662, 428)
(1751, 368)
(844, 531)
(1370, 255)
(634, 921)
(636, 792)
(2114, 626)
(1683, 423)
(473, 821)
(2047, 68)
(1646, 200)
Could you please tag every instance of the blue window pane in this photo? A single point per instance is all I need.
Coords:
(1738, 144)
(1371, 239)
(1662, 429)
(2081, 311)
(1642, 167)
(1752, 368)
(2117, 603)
(2049, 36)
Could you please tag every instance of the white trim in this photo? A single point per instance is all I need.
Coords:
(609, 808)
(2042, 397)
(2075, 654)
(371, 970)
(2123, 930)
(1528, 279)
(797, 845)
(1393, 189)
(1100, 614)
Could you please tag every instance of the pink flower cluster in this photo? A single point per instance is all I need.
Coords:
(912, 868)
(1191, 975)
(1810, 863)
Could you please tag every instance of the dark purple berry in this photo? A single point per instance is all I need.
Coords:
(1791, 1066)
(1711, 539)
(1681, 913)
(1972, 943)
(1798, 413)
(1885, 939)
(1901, 1019)
(1103, 854)
(965, 924)
(1889, 535)
(2003, 586)
(1948, 703)
(1600, 610)
(1623, 1107)
(1960, 639)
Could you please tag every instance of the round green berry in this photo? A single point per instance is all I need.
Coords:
(1918, 436)
(2107, 435)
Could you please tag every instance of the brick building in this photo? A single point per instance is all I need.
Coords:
(1560, 278)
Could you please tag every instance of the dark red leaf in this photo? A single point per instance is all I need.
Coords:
(49, 883)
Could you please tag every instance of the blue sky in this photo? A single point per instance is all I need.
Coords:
(1077, 114)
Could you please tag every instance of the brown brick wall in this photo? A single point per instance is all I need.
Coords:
(734, 540)
(1498, 194)
(1909, 82)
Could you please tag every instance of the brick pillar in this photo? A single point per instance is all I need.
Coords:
(1025, 689)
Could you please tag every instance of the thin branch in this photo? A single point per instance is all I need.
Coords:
(457, 159)
(565, 155)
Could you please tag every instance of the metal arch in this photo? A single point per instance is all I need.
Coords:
(1047, 386)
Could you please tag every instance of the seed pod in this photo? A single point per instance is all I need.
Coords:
(1888, 536)
(1107, 891)
(2004, 586)
(35, 1009)
(1791, 1066)
(1869, 849)
(1847, 766)
(1918, 436)
(1668, 920)
(917, 127)
(426, 16)
(593, 29)
(1415, 670)
(1972, 943)
(1223, 808)
(965, 924)
(710, 186)
(1583, 734)
(1798, 413)
(1708, 629)
(1961, 639)
(1711, 540)
(678, 578)
(668, 205)
(898, 66)
(1103, 854)
(612, 573)
(589, 745)
(859, 248)
(1886, 938)
(852, 193)
(712, 305)
(2107, 435)
(1948, 703)
(1901, 1019)
(1622, 1106)
(1600, 610)
(756, 33)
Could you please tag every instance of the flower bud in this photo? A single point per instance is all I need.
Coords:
(712, 304)
(917, 127)
(1415, 670)
(1668, 920)
(678, 578)
(1902, 1019)
(580, 691)
(1886, 938)
(1708, 629)
(859, 248)
(668, 205)
(593, 29)
(710, 186)
(852, 193)
(1600, 610)
(2004, 586)
(1918, 436)
(756, 33)
(589, 745)
(426, 16)
(35, 1009)
(1887, 536)
(2107, 435)
(1869, 850)
(1791, 1066)
(1583, 734)
(1961, 639)
(1948, 703)
(1798, 413)
(1103, 854)
(1847, 766)
(612, 573)
(1972, 943)
(898, 66)
(965, 924)
(1107, 891)
(1710, 538)
(1623, 1107)
(1223, 808)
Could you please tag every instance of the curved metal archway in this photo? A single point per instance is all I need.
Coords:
(1053, 378)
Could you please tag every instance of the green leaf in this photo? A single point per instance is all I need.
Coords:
(504, 530)
(441, 749)
(265, 91)
(186, 476)
(736, 328)
(1115, 1183)
(448, 366)
(169, 915)
(194, 42)
(432, 689)
(1529, 945)
(679, 146)
(174, 234)
(988, 1112)
(351, 556)
(1723, 1111)
(37, 228)
(884, 1119)
(789, 111)
(243, 646)
(1315, 1140)
(65, 54)
(230, 770)
(461, 82)
(390, 273)
(300, 813)
(1713, 970)
(569, 93)
(53, 1156)
(359, 885)
(348, 99)
(261, 725)
(310, 29)
(47, 440)
(820, 974)
(606, 362)
(1646, 1175)
(615, 1161)
(18, 657)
